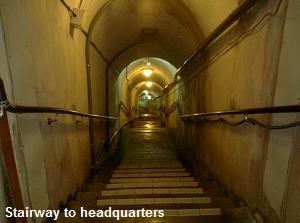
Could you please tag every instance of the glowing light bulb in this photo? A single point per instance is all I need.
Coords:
(149, 97)
(149, 84)
(146, 92)
(147, 72)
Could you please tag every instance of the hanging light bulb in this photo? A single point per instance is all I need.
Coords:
(147, 71)
(149, 97)
(149, 84)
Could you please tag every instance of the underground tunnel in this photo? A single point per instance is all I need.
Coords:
(171, 110)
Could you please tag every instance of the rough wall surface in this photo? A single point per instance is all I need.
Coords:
(46, 58)
(283, 147)
(243, 77)
(98, 82)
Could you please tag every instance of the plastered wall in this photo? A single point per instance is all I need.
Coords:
(46, 67)
(98, 81)
(282, 147)
(250, 161)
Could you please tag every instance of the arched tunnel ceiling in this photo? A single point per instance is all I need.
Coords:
(142, 86)
(132, 75)
(155, 78)
(169, 29)
(132, 81)
(163, 72)
(160, 23)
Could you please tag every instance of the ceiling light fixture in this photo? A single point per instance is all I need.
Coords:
(149, 84)
(148, 70)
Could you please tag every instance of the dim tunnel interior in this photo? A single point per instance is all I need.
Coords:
(175, 110)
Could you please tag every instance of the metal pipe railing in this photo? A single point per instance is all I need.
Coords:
(5, 106)
(36, 109)
(247, 111)
(124, 109)
(204, 117)
(117, 132)
(229, 21)
(172, 108)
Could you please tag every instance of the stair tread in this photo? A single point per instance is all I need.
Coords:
(135, 171)
(167, 219)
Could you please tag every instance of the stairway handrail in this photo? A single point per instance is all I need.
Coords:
(37, 109)
(134, 109)
(6, 106)
(204, 117)
(172, 108)
(116, 133)
(248, 111)
(124, 108)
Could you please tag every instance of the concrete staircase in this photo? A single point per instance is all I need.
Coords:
(150, 177)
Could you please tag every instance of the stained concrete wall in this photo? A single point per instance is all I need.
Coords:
(246, 76)
(46, 67)
(98, 81)
(282, 146)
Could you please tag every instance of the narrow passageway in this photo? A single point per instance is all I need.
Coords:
(188, 106)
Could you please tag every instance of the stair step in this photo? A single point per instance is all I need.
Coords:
(193, 212)
(92, 197)
(150, 165)
(154, 191)
(144, 130)
(138, 162)
(148, 175)
(146, 166)
(148, 159)
(152, 185)
(149, 180)
(176, 209)
(173, 170)
(123, 205)
(150, 152)
(175, 218)
(96, 195)
(147, 201)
